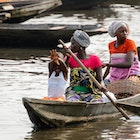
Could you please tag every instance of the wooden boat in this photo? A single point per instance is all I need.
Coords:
(19, 11)
(50, 114)
(79, 4)
(131, 107)
(41, 35)
(89, 4)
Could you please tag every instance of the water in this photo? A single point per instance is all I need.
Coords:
(25, 72)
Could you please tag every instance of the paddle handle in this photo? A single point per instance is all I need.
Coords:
(93, 78)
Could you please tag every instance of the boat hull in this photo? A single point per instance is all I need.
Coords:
(88, 4)
(50, 114)
(133, 108)
(41, 35)
(22, 10)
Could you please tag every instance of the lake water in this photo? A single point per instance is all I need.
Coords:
(25, 73)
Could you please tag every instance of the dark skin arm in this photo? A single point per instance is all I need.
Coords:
(106, 72)
(126, 64)
(57, 65)
(62, 67)
(67, 59)
(99, 78)
(51, 69)
(99, 74)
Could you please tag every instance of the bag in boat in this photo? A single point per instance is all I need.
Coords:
(56, 86)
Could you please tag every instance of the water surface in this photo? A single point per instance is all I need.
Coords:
(24, 72)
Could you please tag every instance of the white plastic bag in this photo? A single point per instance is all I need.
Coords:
(105, 98)
(56, 86)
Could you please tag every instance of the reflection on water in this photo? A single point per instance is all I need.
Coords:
(23, 54)
(19, 78)
(129, 130)
(101, 130)
(24, 73)
(87, 131)
(97, 14)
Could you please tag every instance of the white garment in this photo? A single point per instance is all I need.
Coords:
(118, 55)
(105, 98)
(56, 86)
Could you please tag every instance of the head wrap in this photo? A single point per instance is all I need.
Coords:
(82, 38)
(115, 26)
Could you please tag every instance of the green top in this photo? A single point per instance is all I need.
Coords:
(80, 89)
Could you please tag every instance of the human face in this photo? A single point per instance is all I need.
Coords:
(74, 46)
(122, 33)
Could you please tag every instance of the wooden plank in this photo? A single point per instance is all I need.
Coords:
(21, 11)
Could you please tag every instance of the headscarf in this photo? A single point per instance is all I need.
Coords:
(82, 38)
(115, 26)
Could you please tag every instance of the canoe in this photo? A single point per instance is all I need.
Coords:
(79, 4)
(89, 4)
(42, 35)
(19, 11)
(51, 114)
(131, 107)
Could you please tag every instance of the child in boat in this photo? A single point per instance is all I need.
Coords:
(58, 75)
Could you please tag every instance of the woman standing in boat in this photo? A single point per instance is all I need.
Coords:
(123, 62)
(81, 86)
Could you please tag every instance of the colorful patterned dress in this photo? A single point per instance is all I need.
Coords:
(81, 86)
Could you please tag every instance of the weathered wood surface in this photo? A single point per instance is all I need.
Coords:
(131, 107)
(48, 114)
(22, 10)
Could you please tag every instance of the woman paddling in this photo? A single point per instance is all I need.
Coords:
(81, 86)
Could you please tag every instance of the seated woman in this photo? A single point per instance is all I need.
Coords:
(123, 62)
(81, 86)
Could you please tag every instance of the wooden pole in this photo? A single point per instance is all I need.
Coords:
(93, 78)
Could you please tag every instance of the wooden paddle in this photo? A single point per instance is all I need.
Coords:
(94, 80)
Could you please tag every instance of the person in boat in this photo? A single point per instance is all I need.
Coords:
(123, 62)
(58, 75)
(81, 86)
